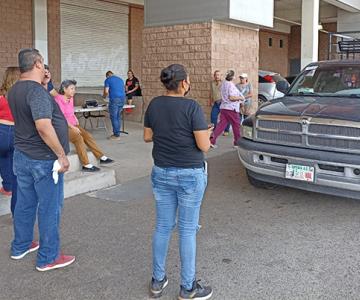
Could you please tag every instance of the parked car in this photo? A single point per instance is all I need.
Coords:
(310, 138)
(267, 86)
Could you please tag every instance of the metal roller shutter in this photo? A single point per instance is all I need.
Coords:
(94, 39)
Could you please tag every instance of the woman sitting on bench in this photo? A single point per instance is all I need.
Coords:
(78, 135)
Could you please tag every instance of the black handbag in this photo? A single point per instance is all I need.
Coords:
(90, 103)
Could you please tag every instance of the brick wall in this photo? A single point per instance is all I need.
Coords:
(201, 48)
(54, 50)
(15, 31)
(274, 58)
(295, 41)
(136, 25)
(236, 48)
(324, 40)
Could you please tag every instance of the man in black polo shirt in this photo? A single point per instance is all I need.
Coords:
(41, 145)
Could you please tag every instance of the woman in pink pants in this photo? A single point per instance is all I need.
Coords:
(231, 99)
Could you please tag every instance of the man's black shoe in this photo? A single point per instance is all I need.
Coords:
(196, 293)
(91, 169)
(106, 161)
(156, 287)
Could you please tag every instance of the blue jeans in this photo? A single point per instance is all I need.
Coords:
(178, 195)
(115, 108)
(6, 161)
(215, 110)
(37, 192)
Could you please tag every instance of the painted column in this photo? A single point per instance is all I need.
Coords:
(309, 31)
(40, 26)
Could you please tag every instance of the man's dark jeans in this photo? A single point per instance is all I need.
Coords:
(37, 192)
(115, 108)
(6, 161)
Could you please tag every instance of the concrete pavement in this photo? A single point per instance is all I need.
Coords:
(253, 244)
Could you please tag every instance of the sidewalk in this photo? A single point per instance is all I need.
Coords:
(109, 231)
(133, 156)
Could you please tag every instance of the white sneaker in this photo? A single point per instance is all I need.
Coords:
(33, 247)
(213, 146)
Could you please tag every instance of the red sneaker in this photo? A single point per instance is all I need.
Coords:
(61, 262)
(4, 192)
(33, 247)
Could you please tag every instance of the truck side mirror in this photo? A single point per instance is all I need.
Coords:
(282, 86)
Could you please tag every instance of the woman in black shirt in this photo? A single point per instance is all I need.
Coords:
(177, 127)
(132, 86)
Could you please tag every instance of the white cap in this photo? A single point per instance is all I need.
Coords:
(243, 75)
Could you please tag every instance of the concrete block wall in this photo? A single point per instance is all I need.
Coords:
(15, 31)
(188, 44)
(202, 48)
(236, 48)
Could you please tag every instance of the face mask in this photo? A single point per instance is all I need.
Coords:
(188, 90)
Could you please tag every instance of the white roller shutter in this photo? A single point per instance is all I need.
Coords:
(94, 39)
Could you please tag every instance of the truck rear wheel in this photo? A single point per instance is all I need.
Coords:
(260, 184)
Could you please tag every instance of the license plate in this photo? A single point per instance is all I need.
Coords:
(298, 172)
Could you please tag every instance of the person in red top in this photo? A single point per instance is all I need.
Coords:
(7, 137)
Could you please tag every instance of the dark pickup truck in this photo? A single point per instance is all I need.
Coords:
(310, 138)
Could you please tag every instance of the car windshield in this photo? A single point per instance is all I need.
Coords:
(333, 81)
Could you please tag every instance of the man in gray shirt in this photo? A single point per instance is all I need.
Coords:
(41, 145)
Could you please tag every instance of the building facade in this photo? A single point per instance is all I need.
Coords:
(82, 39)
